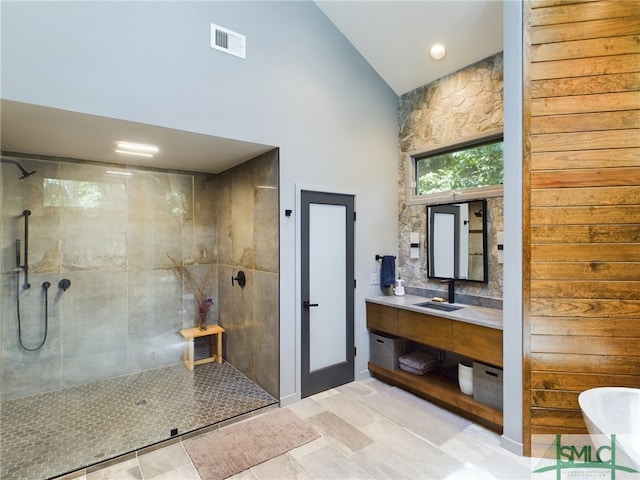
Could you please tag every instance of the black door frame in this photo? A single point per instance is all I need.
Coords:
(334, 375)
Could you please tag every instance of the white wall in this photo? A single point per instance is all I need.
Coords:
(302, 88)
(512, 300)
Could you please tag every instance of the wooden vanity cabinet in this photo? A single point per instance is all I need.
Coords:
(420, 327)
(480, 343)
(382, 318)
(470, 340)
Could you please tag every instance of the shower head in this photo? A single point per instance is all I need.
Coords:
(25, 174)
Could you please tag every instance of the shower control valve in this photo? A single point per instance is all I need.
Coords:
(64, 284)
(241, 279)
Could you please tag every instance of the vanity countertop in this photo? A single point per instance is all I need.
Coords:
(486, 317)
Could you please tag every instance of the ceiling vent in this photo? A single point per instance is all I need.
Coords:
(228, 41)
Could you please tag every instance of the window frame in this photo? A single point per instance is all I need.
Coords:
(467, 194)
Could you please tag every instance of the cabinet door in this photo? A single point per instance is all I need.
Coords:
(480, 343)
(381, 318)
(422, 328)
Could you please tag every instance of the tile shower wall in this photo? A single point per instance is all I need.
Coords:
(464, 103)
(247, 206)
(110, 235)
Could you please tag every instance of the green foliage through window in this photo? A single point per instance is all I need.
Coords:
(471, 167)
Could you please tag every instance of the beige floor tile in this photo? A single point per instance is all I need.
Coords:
(325, 394)
(163, 460)
(350, 410)
(283, 467)
(75, 477)
(185, 472)
(357, 389)
(421, 417)
(308, 448)
(379, 462)
(246, 475)
(471, 445)
(483, 434)
(503, 466)
(377, 385)
(330, 464)
(340, 433)
(413, 449)
(307, 407)
(127, 470)
(464, 471)
(479, 445)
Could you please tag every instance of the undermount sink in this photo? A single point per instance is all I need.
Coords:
(445, 307)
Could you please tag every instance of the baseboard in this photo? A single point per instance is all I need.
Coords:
(289, 399)
(512, 445)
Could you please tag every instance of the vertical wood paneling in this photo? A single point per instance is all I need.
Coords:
(581, 198)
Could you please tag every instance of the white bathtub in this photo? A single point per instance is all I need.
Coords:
(608, 410)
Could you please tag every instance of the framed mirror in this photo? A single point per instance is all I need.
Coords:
(457, 241)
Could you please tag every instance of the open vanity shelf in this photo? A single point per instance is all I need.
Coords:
(442, 391)
(481, 343)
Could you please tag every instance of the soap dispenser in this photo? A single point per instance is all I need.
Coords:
(398, 290)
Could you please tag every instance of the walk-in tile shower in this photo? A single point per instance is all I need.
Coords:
(103, 300)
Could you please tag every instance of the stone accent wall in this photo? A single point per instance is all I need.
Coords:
(459, 105)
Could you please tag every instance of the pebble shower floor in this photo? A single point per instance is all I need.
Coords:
(49, 434)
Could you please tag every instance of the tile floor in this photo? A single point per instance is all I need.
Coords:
(47, 435)
(368, 430)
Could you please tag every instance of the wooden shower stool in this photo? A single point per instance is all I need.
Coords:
(191, 334)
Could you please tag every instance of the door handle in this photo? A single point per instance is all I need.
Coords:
(306, 304)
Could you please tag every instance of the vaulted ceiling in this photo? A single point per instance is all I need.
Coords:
(393, 36)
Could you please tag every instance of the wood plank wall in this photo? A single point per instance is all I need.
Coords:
(581, 206)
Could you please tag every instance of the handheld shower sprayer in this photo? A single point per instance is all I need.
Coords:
(25, 174)
(25, 266)
(18, 266)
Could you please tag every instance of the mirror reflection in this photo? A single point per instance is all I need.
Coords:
(456, 241)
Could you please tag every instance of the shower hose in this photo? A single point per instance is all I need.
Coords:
(45, 287)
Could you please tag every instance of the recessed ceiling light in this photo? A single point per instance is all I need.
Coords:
(437, 52)
(140, 149)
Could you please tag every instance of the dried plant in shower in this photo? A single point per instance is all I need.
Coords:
(200, 286)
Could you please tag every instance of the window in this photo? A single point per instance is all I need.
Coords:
(468, 169)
